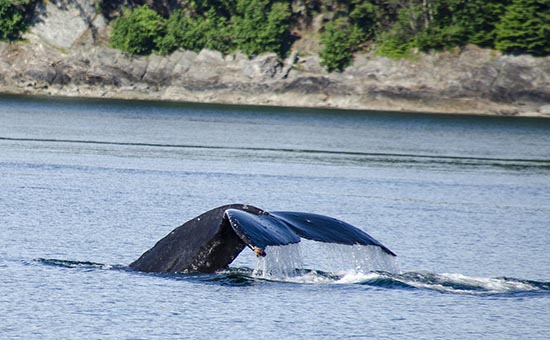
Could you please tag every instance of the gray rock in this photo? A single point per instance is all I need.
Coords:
(155, 71)
(265, 66)
(184, 62)
(544, 110)
(310, 64)
(61, 23)
(210, 57)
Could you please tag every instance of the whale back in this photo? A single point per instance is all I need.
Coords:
(205, 243)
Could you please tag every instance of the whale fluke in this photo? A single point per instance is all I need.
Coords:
(327, 229)
(211, 241)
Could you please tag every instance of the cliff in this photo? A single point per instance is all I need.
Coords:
(65, 54)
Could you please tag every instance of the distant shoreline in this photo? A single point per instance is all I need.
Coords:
(65, 54)
(474, 82)
(129, 97)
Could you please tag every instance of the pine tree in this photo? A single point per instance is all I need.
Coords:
(525, 28)
(480, 18)
(261, 26)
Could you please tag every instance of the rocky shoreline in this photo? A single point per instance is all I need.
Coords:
(73, 61)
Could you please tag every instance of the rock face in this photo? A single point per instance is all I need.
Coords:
(61, 23)
(65, 54)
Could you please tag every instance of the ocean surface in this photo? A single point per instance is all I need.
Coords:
(86, 186)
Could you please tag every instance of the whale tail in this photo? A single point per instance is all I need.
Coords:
(211, 241)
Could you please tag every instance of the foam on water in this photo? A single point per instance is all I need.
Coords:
(354, 277)
(458, 283)
(446, 283)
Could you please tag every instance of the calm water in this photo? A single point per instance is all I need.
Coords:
(87, 186)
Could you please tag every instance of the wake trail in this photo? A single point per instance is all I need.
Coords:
(445, 158)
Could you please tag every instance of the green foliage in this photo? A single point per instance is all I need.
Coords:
(439, 27)
(261, 27)
(393, 46)
(454, 23)
(251, 26)
(525, 28)
(366, 16)
(480, 19)
(397, 41)
(224, 8)
(14, 18)
(518, 26)
(393, 27)
(138, 31)
(195, 33)
(339, 41)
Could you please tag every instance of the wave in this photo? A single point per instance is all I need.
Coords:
(448, 283)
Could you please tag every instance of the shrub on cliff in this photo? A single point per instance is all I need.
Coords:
(138, 31)
(14, 18)
(339, 41)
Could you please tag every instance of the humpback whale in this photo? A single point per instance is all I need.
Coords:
(211, 241)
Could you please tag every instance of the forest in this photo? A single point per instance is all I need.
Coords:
(392, 28)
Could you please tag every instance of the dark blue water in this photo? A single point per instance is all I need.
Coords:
(87, 186)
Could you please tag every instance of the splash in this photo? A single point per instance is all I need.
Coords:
(331, 260)
(345, 259)
(281, 262)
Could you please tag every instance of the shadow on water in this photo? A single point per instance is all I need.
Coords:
(426, 281)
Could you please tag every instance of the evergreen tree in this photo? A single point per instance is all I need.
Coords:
(525, 28)
(260, 26)
(479, 18)
(366, 15)
(397, 40)
(195, 33)
(457, 22)
(396, 26)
